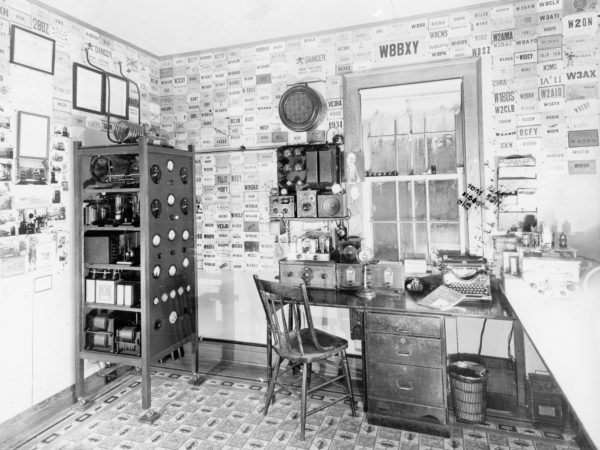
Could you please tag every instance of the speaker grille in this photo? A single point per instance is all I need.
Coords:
(301, 108)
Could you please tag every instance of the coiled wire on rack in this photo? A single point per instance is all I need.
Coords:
(125, 131)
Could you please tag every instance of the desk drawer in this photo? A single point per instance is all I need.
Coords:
(412, 384)
(404, 349)
(405, 324)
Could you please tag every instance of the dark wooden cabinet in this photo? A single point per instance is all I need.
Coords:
(135, 268)
(405, 365)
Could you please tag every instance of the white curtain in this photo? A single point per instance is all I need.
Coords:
(415, 98)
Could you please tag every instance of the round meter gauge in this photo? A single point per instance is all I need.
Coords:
(183, 174)
(156, 240)
(156, 208)
(170, 200)
(155, 173)
(172, 271)
(172, 234)
(173, 317)
(170, 165)
(185, 235)
(186, 263)
(156, 271)
(185, 205)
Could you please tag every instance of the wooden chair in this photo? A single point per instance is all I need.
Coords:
(291, 333)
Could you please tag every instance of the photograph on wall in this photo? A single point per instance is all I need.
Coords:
(32, 171)
(6, 169)
(13, 257)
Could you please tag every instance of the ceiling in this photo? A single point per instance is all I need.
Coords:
(178, 26)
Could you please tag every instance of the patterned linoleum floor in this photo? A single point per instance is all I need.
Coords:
(226, 414)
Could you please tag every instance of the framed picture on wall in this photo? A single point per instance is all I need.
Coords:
(33, 135)
(117, 96)
(29, 49)
(88, 89)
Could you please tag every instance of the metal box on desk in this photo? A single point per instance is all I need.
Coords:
(319, 274)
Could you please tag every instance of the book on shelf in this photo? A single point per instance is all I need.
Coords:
(441, 298)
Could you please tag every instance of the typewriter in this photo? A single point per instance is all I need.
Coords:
(468, 275)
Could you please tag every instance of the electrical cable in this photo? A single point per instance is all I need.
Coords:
(481, 336)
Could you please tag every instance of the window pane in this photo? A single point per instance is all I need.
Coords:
(418, 122)
(381, 124)
(383, 196)
(405, 200)
(442, 120)
(419, 164)
(443, 195)
(441, 151)
(407, 247)
(421, 233)
(403, 124)
(383, 154)
(445, 236)
(420, 201)
(385, 241)
(403, 148)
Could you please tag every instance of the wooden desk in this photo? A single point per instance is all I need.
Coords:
(395, 320)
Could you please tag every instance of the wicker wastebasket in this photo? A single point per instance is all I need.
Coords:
(468, 386)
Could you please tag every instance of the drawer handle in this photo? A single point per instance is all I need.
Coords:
(405, 387)
(403, 353)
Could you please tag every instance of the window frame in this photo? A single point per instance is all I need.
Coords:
(469, 69)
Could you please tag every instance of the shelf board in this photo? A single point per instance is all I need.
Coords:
(90, 306)
(110, 357)
(311, 219)
(112, 267)
(96, 189)
(122, 228)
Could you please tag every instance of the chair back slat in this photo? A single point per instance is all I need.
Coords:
(287, 310)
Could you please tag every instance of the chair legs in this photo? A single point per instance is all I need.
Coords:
(271, 387)
(306, 377)
(346, 369)
(303, 399)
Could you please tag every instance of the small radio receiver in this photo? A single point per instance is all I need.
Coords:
(282, 206)
(307, 203)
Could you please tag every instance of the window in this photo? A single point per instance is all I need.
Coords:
(414, 138)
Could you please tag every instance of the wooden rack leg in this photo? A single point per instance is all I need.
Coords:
(197, 379)
(148, 416)
(83, 402)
